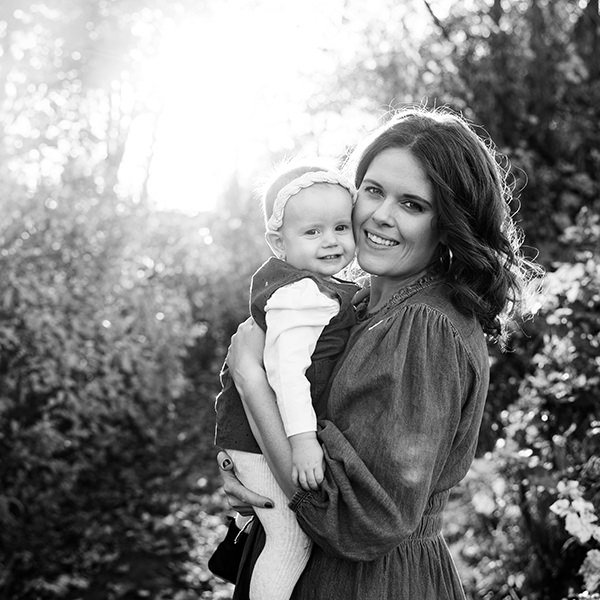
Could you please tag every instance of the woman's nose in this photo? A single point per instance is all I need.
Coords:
(383, 213)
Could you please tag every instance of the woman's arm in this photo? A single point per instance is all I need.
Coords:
(358, 515)
(403, 417)
(245, 363)
(405, 413)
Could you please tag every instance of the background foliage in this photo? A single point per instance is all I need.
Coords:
(115, 317)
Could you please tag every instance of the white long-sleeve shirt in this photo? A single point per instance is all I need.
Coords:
(296, 315)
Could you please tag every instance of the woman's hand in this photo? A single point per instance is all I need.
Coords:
(245, 354)
(240, 498)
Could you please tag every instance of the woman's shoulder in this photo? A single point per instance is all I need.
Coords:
(431, 316)
(436, 302)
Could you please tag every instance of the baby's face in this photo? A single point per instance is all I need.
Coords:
(317, 229)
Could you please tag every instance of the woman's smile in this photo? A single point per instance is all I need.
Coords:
(379, 240)
(395, 217)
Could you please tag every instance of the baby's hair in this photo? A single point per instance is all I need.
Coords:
(286, 173)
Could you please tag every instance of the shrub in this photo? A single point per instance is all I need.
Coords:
(543, 466)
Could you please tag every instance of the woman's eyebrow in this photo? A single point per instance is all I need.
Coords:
(371, 181)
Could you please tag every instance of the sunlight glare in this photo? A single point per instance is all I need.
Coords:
(230, 84)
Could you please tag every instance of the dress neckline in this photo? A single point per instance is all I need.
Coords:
(363, 314)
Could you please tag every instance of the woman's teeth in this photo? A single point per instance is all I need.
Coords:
(381, 241)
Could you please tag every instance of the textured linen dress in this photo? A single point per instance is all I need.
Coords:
(404, 410)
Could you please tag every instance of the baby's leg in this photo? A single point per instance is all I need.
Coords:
(287, 547)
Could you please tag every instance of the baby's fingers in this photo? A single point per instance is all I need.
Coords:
(319, 475)
(303, 480)
(310, 480)
(296, 476)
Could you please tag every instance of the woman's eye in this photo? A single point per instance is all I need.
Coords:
(413, 206)
(375, 191)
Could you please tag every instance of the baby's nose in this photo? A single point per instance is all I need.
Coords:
(329, 239)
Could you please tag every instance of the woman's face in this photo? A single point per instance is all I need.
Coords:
(394, 217)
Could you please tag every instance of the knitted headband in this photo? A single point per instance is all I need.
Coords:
(296, 185)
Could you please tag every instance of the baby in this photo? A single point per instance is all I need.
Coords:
(306, 313)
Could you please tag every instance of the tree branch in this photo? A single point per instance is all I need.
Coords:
(437, 22)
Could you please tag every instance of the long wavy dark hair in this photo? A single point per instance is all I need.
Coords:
(481, 251)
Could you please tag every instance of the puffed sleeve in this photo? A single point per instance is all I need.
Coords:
(407, 405)
(296, 315)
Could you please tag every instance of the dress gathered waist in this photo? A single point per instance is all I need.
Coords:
(430, 525)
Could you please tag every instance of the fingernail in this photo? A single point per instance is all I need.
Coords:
(268, 505)
(226, 463)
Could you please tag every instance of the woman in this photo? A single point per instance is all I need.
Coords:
(433, 230)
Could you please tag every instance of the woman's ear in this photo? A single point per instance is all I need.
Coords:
(276, 244)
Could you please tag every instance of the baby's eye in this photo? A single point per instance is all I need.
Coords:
(311, 232)
(342, 227)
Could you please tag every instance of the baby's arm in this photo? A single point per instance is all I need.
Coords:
(296, 315)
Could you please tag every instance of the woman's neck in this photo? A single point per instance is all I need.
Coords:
(383, 288)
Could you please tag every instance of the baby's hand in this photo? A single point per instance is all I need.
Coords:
(307, 460)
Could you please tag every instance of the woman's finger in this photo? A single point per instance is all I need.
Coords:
(224, 461)
(240, 497)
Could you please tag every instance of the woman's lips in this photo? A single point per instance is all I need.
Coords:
(379, 240)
